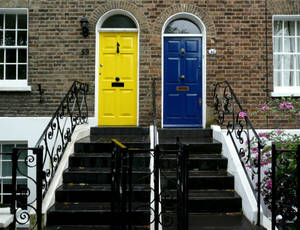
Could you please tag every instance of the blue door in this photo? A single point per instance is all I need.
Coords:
(182, 82)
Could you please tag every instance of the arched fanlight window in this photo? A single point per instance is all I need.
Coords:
(182, 26)
(118, 21)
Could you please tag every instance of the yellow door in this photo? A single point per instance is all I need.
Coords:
(118, 79)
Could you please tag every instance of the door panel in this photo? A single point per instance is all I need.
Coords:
(118, 79)
(182, 82)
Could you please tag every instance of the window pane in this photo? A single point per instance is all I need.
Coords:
(288, 78)
(22, 57)
(1, 72)
(298, 79)
(11, 72)
(11, 56)
(277, 77)
(22, 21)
(288, 62)
(289, 28)
(298, 41)
(298, 62)
(1, 21)
(6, 168)
(289, 45)
(278, 45)
(1, 55)
(10, 38)
(10, 21)
(7, 148)
(118, 21)
(1, 38)
(278, 28)
(22, 168)
(22, 38)
(182, 26)
(22, 72)
(298, 28)
(277, 61)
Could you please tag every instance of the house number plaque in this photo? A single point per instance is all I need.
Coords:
(182, 88)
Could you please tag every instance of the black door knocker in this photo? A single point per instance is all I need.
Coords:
(118, 49)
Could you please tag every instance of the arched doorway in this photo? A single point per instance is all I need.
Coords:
(117, 69)
(183, 81)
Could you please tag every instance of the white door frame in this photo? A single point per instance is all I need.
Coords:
(97, 50)
(200, 24)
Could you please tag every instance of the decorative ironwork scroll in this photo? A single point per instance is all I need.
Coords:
(228, 109)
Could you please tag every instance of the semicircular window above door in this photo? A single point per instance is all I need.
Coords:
(118, 72)
(182, 26)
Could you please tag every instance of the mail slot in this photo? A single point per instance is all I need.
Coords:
(182, 88)
(117, 84)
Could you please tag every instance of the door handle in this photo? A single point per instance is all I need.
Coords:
(182, 77)
(118, 49)
(182, 51)
(117, 79)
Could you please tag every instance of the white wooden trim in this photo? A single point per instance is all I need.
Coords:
(97, 50)
(201, 25)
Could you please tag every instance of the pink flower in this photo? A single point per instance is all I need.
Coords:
(279, 132)
(269, 184)
(265, 108)
(266, 172)
(283, 105)
(254, 150)
(242, 115)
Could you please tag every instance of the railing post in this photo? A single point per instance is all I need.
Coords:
(130, 188)
(273, 208)
(298, 184)
(186, 188)
(258, 183)
(156, 187)
(39, 185)
(14, 203)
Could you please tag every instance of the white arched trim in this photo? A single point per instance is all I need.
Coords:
(99, 30)
(199, 23)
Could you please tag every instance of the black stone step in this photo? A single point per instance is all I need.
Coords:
(104, 143)
(97, 193)
(212, 221)
(206, 147)
(117, 130)
(206, 201)
(94, 213)
(93, 160)
(196, 162)
(100, 176)
(169, 135)
(200, 180)
(91, 227)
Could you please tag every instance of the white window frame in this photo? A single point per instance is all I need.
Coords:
(281, 91)
(15, 85)
(1, 165)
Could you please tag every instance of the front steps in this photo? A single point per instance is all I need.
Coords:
(84, 199)
(213, 204)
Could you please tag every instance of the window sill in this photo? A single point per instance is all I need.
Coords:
(285, 94)
(15, 88)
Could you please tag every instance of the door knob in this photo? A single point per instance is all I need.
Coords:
(117, 79)
(182, 77)
(182, 51)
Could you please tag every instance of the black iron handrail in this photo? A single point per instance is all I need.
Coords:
(72, 111)
(47, 153)
(285, 206)
(239, 127)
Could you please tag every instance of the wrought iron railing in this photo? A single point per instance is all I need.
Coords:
(46, 156)
(154, 112)
(285, 205)
(239, 126)
(182, 186)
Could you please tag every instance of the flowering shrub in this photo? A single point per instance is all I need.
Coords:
(286, 174)
(289, 106)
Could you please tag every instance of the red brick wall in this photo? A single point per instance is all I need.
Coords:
(235, 28)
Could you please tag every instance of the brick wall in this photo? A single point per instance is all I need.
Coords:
(235, 28)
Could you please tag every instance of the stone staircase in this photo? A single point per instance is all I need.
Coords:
(213, 204)
(84, 199)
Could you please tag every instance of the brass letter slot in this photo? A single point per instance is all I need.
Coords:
(117, 84)
(182, 88)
